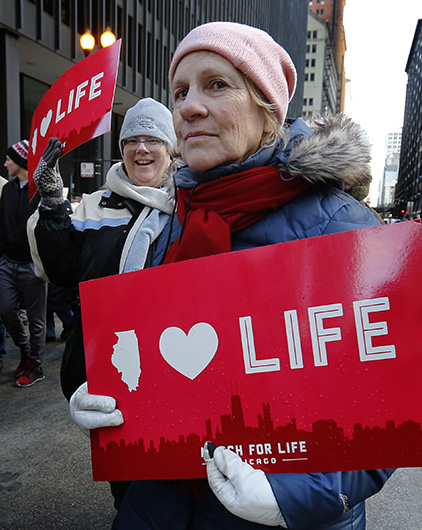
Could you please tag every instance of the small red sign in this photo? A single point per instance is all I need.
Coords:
(301, 357)
(77, 107)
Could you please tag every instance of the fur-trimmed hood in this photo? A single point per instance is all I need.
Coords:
(336, 151)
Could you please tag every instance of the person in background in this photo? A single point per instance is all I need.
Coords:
(20, 288)
(111, 231)
(3, 330)
(359, 190)
(3, 335)
(75, 202)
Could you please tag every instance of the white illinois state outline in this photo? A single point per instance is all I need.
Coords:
(126, 359)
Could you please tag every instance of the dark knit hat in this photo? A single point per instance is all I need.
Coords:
(19, 153)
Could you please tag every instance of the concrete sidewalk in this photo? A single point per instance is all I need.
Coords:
(45, 466)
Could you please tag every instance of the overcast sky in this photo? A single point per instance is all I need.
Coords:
(379, 35)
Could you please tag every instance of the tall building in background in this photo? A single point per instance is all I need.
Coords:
(408, 196)
(332, 12)
(393, 142)
(386, 190)
(39, 41)
(321, 86)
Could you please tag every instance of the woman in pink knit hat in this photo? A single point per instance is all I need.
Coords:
(251, 179)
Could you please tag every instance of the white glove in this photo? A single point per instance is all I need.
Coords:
(90, 411)
(243, 490)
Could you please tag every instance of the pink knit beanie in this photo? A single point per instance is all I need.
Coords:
(250, 50)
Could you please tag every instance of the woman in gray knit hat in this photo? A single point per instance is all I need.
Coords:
(111, 231)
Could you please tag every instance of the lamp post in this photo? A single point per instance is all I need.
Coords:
(87, 43)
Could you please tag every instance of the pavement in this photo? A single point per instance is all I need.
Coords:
(46, 476)
(45, 462)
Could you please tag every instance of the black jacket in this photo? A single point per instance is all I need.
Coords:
(15, 210)
(83, 247)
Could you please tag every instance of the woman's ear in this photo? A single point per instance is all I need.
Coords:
(267, 124)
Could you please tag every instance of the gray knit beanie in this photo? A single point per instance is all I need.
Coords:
(148, 118)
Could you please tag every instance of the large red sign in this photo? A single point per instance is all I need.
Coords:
(77, 107)
(301, 357)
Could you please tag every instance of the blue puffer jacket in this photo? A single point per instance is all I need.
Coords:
(332, 501)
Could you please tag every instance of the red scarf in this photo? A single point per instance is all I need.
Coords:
(226, 205)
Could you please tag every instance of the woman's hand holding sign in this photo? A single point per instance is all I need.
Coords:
(47, 176)
(243, 490)
(90, 411)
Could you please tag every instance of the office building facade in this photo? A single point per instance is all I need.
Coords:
(332, 12)
(387, 185)
(39, 41)
(408, 196)
(321, 81)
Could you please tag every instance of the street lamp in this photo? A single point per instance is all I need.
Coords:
(87, 42)
(107, 38)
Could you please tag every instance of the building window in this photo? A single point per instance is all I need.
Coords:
(66, 12)
(130, 36)
(314, 34)
(308, 48)
(166, 66)
(181, 10)
(158, 61)
(150, 55)
(305, 102)
(32, 93)
(48, 7)
(313, 48)
(313, 62)
(309, 34)
(306, 77)
(312, 77)
(311, 101)
(307, 63)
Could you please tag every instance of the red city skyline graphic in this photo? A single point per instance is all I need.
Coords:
(274, 449)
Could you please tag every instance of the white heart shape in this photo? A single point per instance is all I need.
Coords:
(45, 123)
(189, 354)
